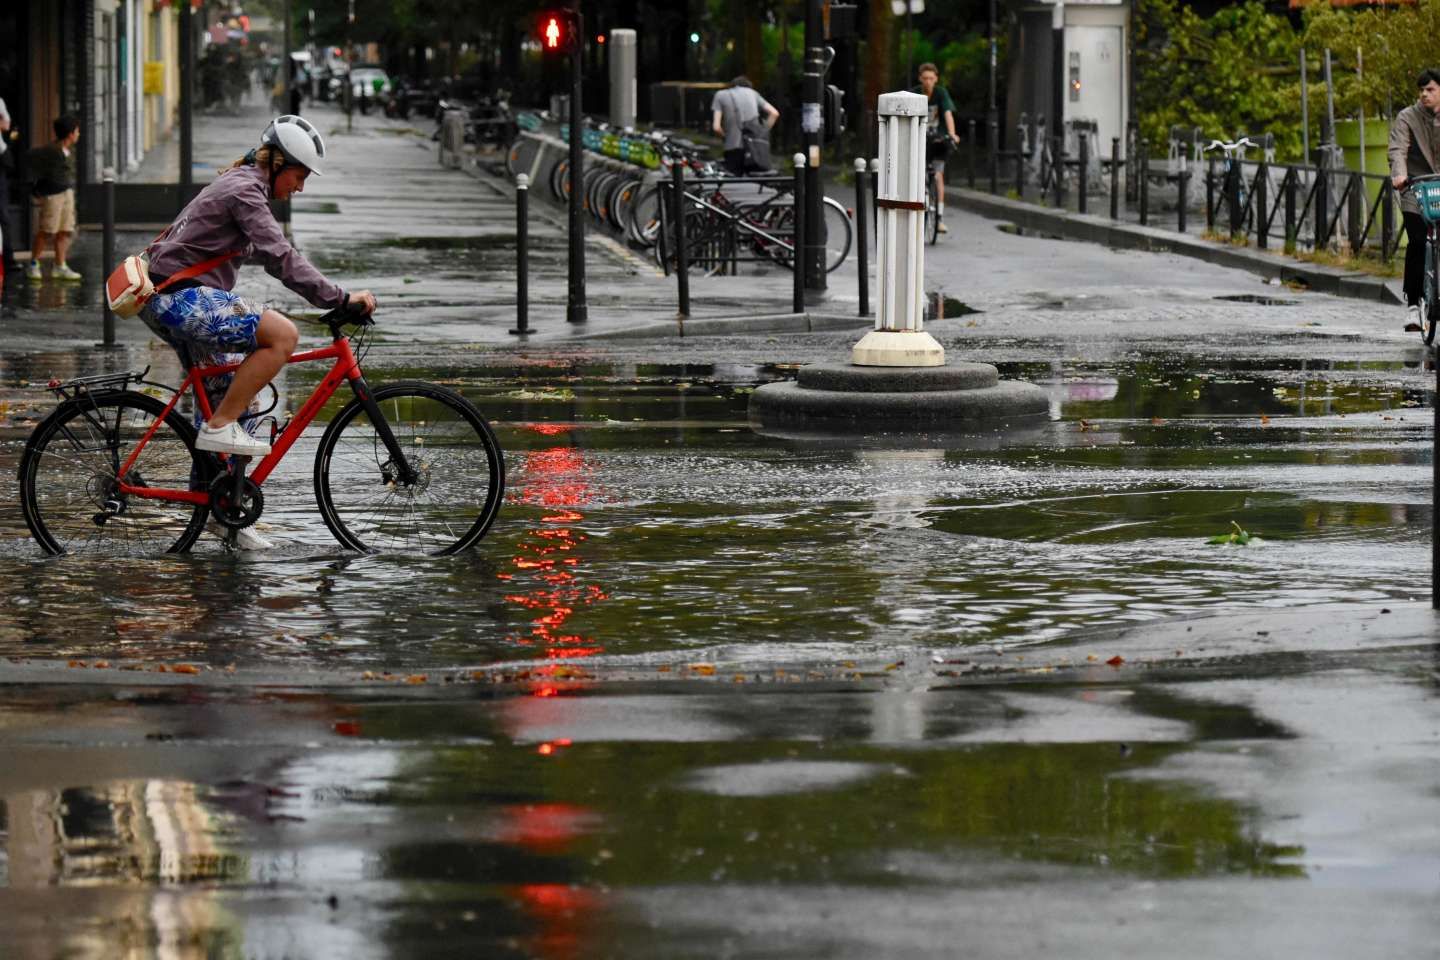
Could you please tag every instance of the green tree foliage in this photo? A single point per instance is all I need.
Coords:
(1228, 74)
(1396, 44)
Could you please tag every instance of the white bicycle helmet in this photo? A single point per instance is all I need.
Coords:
(297, 140)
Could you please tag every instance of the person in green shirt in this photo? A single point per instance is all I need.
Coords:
(940, 136)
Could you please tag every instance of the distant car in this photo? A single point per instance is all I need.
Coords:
(372, 82)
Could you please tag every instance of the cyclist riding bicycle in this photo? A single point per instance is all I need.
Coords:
(938, 141)
(229, 222)
(1414, 151)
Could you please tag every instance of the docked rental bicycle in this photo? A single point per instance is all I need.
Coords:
(405, 467)
(1426, 191)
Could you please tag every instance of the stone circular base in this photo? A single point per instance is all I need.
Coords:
(852, 378)
(1008, 400)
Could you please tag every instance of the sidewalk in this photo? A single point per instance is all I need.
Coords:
(1120, 234)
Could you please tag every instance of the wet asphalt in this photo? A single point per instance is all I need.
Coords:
(712, 691)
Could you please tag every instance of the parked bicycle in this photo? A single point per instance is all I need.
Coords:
(1426, 191)
(1232, 178)
(407, 467)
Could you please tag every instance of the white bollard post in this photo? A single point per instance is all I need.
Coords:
(899, 338)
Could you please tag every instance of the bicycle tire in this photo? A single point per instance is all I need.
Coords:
(560, 181)
(645, 216)
(617, 205)
(1430, 294)
(838, 233)
(932, 216)
(370, 511)
(69, 470)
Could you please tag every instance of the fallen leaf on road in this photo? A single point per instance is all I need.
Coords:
(1115, 661)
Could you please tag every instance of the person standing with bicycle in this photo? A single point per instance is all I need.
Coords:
(1414, 151)
(940, 135)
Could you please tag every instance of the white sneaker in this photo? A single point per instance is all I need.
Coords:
(230, 439)
(246, 538)
(1412, 317)
(62, 271)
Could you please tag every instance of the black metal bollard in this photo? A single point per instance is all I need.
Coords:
(107, 258)
(970, 145)
(992, 147)
(861, 229)
(1084, 172)
(874, 192)
(1322, 200)
(522, 255)
(1143, 186)
(1184, 184)
(1291, 187)
(797, 259)
(1210, 195)
(1356, 211)
(677, 220)
(1262, 206)
(1020, 171)
(1059, 171)
(1232, 195)
(1387, 220)
(1114, 178)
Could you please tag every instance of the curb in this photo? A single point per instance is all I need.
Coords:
(737, 323)
(1128, 236)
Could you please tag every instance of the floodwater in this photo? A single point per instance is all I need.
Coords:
(646, 520)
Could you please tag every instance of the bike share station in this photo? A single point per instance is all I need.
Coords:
(660, 196)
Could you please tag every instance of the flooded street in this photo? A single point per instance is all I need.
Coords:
(639, 495)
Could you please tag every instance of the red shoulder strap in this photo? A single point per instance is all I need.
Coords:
(195, 271)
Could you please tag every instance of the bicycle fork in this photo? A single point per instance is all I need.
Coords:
(398, 460)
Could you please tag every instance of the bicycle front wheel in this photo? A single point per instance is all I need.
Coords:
(70, 478)
(1430, 293)
(932, 217)
(458, 469)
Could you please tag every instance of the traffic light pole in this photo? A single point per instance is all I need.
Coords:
(576, 310)
(812, 94)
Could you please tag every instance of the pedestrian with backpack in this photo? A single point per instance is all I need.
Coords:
(736, 115)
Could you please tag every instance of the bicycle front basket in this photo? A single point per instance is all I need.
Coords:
(1427, 194)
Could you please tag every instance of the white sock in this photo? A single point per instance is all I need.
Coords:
(942, 206)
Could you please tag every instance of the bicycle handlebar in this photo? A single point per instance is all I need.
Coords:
(349, 313)
(1230, 148)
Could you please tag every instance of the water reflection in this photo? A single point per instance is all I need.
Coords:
(559, 480)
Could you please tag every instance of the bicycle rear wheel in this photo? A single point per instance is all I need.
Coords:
(461, 473)
(69, 478)
(838, 233)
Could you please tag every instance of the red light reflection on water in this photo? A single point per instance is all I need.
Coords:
(556, 478)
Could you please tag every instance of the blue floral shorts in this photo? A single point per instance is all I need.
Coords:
(206, 327)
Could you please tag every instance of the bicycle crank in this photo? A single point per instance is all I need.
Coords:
(230, 511)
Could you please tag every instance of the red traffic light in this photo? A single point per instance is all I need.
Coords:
(558, 31)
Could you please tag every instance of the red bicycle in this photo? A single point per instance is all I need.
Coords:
(405, 467)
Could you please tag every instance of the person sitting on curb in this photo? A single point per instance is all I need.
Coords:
(52, 170)
(1414, 151)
